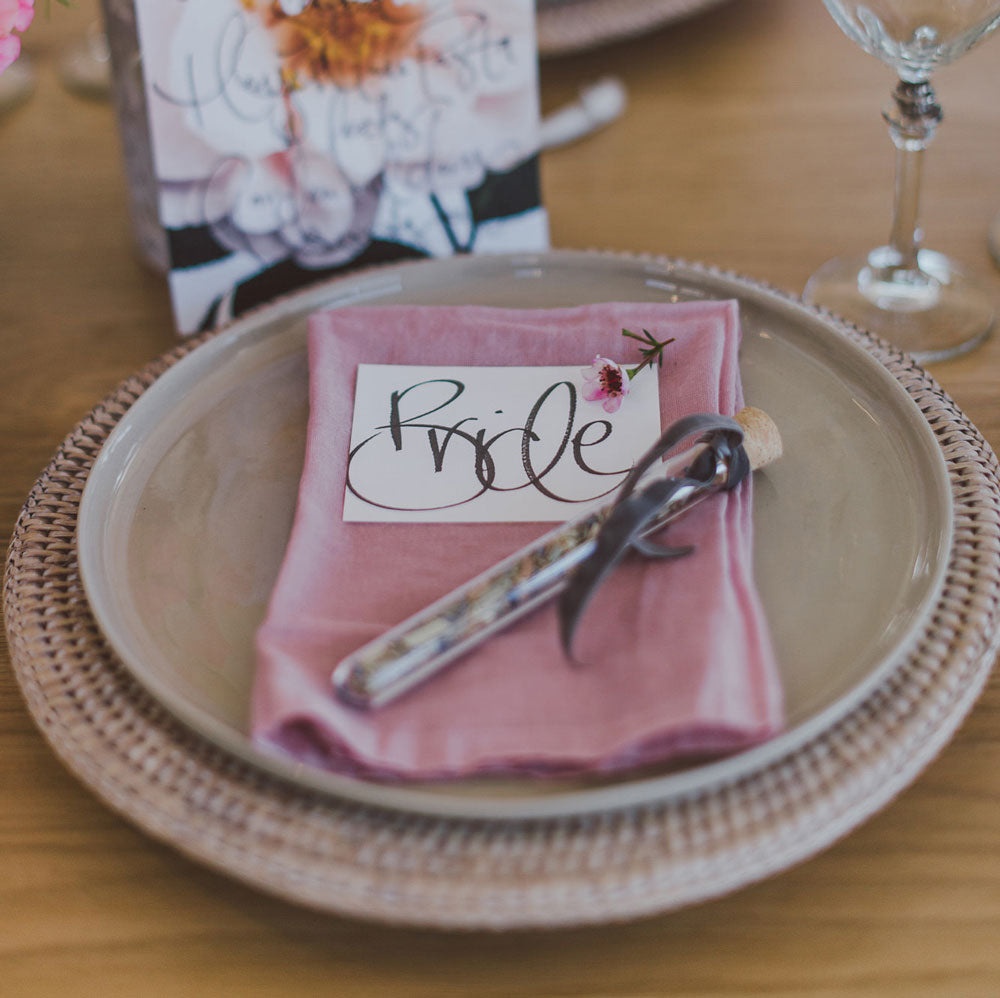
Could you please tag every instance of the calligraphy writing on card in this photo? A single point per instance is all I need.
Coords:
(297, 139)
(487, 444)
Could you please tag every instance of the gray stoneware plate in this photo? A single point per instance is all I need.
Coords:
(188, 507)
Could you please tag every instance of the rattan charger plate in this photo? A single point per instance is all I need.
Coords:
(356, 859)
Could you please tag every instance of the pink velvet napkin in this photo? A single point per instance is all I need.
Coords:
(676, 655)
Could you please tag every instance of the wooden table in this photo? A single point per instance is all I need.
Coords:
(753, 141)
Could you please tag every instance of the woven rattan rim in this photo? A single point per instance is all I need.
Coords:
(575, 25)
(352, 859)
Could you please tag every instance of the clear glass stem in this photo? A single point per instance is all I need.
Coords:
(912, 122)
(906, 235)
(916, 298)
(16, 83)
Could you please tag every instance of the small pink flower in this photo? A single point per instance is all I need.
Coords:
(606, 380)
(15, 15)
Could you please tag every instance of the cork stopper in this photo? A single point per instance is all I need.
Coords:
(761, 440)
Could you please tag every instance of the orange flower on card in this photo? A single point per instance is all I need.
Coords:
(341, 41)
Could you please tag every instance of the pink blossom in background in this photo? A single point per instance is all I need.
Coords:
(15, 15)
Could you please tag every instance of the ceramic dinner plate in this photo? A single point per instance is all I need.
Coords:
(189, 506)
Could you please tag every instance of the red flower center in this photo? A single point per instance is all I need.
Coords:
(611, 380)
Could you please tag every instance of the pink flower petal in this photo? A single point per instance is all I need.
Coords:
(25, 12)
(594, 371)
(15, 15)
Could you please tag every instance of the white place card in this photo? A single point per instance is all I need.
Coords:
(488, 444)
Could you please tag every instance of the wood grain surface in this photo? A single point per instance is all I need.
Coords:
(752, 141)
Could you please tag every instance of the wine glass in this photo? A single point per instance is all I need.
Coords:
(85, 66)
(914, 297)
(16, 83)
(993, 239)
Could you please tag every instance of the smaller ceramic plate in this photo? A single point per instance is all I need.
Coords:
(188, 508)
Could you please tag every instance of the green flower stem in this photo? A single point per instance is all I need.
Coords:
(653, 353)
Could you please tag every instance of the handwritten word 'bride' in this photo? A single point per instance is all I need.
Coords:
(457, 462)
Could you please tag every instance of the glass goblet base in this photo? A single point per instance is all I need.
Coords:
(934, 312)
(994, 239)
(85, 67)
(17, 82)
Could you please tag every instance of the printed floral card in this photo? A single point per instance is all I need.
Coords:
(298, 139)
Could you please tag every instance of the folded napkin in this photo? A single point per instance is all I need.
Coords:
(676, 657)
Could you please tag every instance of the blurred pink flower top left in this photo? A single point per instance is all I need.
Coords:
(15, 16)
